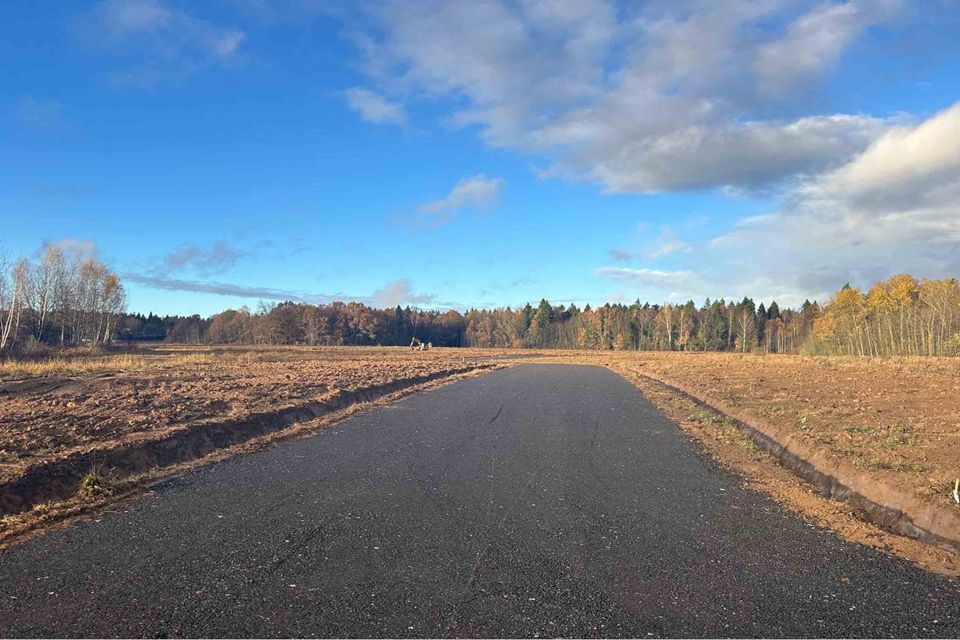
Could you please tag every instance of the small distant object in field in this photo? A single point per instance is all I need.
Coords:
(418, 345)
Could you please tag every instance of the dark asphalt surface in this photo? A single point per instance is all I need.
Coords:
(539, 500)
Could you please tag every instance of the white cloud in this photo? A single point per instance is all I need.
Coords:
(398, 292)
(894, 208)
(815, 41)
(218, 258)
(663, 96)
(476, 192)
(74, 249)
(126, 17)
(165, 43)
(909, 167)
(666, 248)
(667, 243)
(648, 278)
(374, 108)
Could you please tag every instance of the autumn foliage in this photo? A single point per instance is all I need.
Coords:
(63, 300)
(899, 316)
(69, 300)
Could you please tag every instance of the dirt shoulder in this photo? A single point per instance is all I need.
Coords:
(729, 445)
(898, 419)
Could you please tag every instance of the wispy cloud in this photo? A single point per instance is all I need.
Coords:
(475, 192)
(647, 278)
(73, 248)
(226, 289)
(397, 292)
(162, 43)
(666, 248)
(498, 287)
(204, 262)
(52, 191)
(667, 243)
(374, 108)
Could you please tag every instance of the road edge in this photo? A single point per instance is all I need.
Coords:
(831, 480)
(21, 527)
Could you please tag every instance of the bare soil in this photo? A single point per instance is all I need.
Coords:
(119, 417)
(48, 416)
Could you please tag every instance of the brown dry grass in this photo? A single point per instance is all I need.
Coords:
(171, 357)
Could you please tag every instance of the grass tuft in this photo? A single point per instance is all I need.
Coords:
(95, 483)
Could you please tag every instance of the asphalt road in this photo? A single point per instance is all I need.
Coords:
(540, 500)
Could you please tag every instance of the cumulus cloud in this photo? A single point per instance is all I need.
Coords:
(167, 43)
(475, 192)
(663, 96)
(374, 108)
(893, 208)
(399, 292)
(909, 167)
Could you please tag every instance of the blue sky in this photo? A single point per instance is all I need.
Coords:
(483, 153)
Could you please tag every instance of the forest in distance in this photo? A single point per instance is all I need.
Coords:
(63, 300)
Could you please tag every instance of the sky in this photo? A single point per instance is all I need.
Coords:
(483, 153)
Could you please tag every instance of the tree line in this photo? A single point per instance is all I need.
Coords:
(62, 300)
(714, 326)
(898, 316)
(67, 299)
